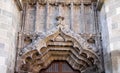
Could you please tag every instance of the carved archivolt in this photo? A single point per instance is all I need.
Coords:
(58, 44)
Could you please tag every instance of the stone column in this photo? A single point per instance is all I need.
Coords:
(21, 37)
(93, 18)
(38, 27)
(47, 16)
(110, 23)
(82, 15)
(9, 22)
(71, 19)
(59, 10)
(26, 25)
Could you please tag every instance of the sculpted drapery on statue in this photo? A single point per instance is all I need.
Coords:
(60, 41)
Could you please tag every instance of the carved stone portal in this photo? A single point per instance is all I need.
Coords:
(60, 43)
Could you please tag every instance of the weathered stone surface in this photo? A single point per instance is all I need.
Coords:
(59, 30)
(111, 11)
(8, 15)
(64, 30)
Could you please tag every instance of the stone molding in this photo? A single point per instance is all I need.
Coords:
(65, 2)
(53, 2)
(59, 43)
(99, 4)
(19, 4)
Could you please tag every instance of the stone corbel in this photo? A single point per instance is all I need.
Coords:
(32, 2)
(19, 4)
(64, 3)
(42, 2)
(32, 36)
(87, 1)
(99, 4)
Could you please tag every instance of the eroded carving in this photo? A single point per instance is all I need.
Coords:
(59, 44)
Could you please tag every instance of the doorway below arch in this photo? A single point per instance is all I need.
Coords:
(59, 67)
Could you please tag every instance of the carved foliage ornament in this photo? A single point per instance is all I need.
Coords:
(58, 44)
(32, 2)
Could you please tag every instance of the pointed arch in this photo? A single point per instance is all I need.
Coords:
(59, 44)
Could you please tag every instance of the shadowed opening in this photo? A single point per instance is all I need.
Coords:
(59, 67)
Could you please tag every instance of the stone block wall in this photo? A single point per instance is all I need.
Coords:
(110, 23)
(9, 22)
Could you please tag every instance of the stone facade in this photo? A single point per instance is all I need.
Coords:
(59, 30)
(110, 21)
(9, 23)
(85, 33)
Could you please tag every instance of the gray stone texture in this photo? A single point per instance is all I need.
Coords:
(9, 21)
(110, 23)
(109, 26)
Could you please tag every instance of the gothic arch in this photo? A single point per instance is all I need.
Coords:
(58, 44)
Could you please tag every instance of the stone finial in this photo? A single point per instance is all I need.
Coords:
(59, 21)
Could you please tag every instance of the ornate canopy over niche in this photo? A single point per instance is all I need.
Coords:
(99, 4)
(59, 1)
(59, 43)
(19, 2)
